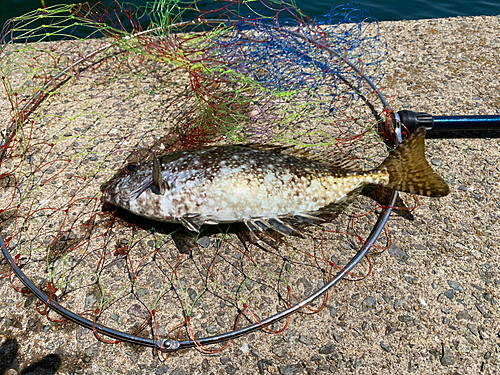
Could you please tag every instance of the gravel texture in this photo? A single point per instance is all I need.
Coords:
(431, 305)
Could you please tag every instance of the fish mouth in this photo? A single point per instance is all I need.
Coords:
(114, 196)
(108, 197)
(105, 185)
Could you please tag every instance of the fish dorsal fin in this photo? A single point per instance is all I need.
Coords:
(336, 159)
(158, 181)
(290, 150)
(278, 149)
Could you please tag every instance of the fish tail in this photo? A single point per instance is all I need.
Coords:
(410, 172)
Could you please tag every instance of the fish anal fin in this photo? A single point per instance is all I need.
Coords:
(307, 217)
(265, 224)
(211, 222)
(262, 224)
(280, 226)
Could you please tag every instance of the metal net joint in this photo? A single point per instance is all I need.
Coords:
(167, 345)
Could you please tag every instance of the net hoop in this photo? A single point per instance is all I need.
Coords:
(169, 345)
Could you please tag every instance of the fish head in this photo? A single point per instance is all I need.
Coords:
(131, 185)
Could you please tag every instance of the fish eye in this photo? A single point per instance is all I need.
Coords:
(131, 167)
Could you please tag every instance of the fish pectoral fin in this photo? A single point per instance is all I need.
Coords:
(158, 181)
(191, 224)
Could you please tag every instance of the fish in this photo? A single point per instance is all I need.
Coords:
(267, 187)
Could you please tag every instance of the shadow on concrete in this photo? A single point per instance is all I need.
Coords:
(9, 350)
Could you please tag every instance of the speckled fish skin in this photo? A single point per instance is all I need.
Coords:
(225, 184)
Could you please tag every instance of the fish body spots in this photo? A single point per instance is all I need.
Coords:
(231, 183)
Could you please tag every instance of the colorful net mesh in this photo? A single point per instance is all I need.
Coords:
(89, 87)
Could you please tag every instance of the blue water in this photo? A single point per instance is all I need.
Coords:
(383, 10)
(393, 10)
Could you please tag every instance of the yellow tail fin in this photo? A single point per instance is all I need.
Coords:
(409, 171)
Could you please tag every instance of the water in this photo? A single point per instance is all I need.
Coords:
(393, 10)
(383, 10)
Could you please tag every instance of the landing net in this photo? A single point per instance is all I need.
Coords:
(87, 88)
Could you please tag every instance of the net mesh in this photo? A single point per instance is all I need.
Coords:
(88, 88)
